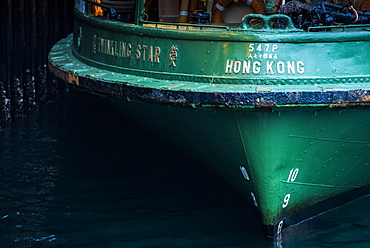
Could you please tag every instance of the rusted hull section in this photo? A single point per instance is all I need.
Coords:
(331, 99)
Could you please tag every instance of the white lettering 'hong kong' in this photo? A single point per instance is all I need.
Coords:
(269, 67)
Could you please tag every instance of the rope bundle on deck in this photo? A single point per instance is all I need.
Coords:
(123, 10)
(121, 7)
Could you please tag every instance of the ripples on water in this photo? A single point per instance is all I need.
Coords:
(78, 174)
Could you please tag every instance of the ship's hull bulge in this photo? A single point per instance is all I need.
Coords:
(293, 159)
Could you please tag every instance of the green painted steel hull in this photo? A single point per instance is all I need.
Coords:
(328, 154)
(288, 129)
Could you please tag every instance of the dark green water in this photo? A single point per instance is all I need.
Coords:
(78, 174)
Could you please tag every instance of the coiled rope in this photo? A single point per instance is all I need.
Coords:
(122, 7)
(119, 7)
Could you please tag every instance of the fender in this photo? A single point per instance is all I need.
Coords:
(219, 8)
(184, 11)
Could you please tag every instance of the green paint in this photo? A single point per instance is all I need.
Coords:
(283, 158)
(225, 57)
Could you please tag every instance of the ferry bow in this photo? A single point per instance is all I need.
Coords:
(275, 102)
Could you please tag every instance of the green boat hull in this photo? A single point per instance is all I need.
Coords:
(288, 133)
(289, 172)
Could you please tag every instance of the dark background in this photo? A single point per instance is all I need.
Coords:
(29, 28)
